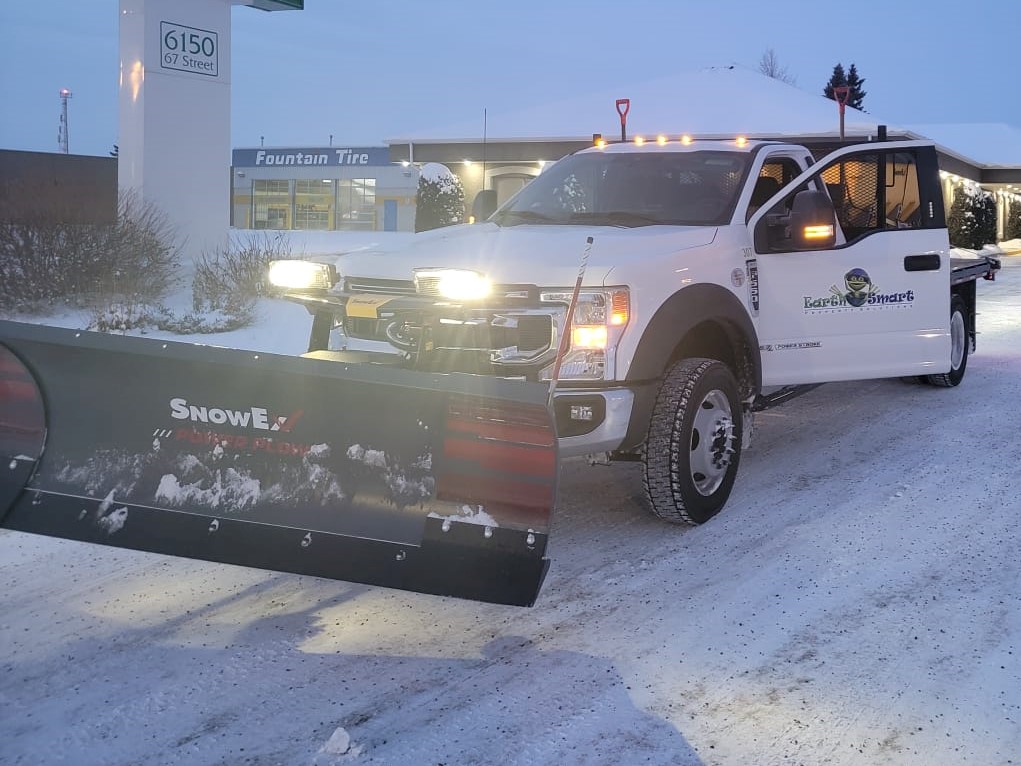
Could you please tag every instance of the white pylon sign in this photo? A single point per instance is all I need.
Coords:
(174, 129)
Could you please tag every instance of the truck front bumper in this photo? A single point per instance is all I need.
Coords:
(590, 421)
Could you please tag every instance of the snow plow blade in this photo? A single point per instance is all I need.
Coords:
(440, 484)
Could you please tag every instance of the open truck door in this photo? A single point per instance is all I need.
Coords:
(434, 483)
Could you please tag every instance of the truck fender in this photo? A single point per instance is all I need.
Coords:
(728, 335)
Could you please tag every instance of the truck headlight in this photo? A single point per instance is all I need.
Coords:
(301, 275)
(600, 317)
(452, 284)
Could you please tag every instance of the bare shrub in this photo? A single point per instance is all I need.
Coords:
(145, 259)
(48, 262)
(229, 280)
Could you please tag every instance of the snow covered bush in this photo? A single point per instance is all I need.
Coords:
(229, 280)
(972, 217)
(46, 262)
(440, 200)
(1012, 230)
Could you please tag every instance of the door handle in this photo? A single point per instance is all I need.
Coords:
(927, 262)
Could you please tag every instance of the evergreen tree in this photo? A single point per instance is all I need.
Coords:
(855, 83)
(440, 200)
(837, 78)
(851, 78)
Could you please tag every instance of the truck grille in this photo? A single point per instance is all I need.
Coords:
(428, 285)
(533, 333)
(379, 286)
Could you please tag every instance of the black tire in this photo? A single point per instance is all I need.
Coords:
(960, 344)
(694, 442)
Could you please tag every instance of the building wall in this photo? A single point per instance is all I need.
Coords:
(321, 189)
(57, 187)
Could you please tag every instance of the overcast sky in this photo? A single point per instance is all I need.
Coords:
(378, 69)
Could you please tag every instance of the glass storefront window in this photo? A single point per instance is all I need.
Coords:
(313, 203)
(356, 203)
(271, 204)
(320, 204)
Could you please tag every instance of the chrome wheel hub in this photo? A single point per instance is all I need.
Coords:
(712, 442)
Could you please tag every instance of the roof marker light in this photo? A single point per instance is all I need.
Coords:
(741, 141)
(685, 139)
(639, 140)
(661, 139)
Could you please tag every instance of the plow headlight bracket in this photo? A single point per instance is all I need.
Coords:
(301, 275)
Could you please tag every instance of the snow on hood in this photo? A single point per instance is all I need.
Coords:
(540, 255)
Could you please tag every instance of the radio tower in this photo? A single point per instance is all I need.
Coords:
(62, 137)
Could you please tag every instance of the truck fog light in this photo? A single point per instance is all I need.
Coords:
(567, 408)
(581, 412)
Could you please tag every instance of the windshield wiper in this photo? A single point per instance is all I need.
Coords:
(616, 218)
(522, 216)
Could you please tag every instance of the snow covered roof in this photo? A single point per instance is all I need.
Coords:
(716, 101)
(991, 144)
(721, 102)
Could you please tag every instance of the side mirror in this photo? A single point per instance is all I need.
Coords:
(813, 221)
(484, 205)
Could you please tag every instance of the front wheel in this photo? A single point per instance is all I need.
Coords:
(694, 442)
(959, 344)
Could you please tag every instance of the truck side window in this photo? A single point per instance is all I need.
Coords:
(775, 173)
(874, 192)
(903, 200)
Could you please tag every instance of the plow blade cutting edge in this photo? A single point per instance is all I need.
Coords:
(440, 484)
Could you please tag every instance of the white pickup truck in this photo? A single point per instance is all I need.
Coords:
(719, 278)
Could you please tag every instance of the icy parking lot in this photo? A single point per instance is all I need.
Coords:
(857, 602)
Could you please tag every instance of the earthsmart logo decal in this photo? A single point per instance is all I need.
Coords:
(858, 292)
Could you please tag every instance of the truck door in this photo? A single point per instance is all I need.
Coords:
(873, 302)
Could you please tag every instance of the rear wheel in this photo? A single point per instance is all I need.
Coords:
(959, 343)
(694, 443)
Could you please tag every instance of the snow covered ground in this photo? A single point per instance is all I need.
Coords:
(857, 602)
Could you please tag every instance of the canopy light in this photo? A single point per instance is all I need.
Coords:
(301, 275)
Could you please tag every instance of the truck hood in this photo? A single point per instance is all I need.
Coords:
(540, 255)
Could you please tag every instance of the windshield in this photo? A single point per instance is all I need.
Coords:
(632, 189)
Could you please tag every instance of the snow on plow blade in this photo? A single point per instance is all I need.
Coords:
(439, 484)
